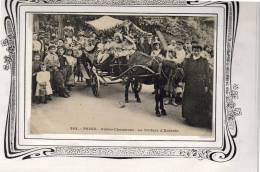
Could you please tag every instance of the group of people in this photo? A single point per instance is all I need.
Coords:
(57, 65)
(58, 62)
(190, 81)
(189, 69)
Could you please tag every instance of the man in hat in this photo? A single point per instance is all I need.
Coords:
(51, 60)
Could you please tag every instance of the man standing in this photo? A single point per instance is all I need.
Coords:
(51, 60)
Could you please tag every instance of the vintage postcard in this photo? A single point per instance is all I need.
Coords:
(130, 79)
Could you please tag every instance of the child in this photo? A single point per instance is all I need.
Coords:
(79, 55)
(157, 52)
(43, 88)
(70, 80)
(178, 94)
(36, 67)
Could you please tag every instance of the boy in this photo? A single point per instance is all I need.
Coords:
(51, 60)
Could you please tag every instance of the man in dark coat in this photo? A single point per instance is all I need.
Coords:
(59, 83)
(196, 78)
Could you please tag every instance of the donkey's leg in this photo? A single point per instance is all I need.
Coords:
(157, 100)
(136, 91)
(127, 85)
(162, 92)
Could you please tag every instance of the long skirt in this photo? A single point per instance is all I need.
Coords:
(195, 106)
(70, 79)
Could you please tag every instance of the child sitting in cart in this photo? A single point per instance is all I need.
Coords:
(43, 88)
(121, 48)
(102, 51)
(129, 47)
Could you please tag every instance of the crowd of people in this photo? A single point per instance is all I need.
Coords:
(56, 66)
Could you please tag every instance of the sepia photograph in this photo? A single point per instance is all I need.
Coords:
(124, 84)
(123, 74)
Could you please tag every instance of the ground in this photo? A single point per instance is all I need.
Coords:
(83, 113)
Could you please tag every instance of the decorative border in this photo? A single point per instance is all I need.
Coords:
(227, 152)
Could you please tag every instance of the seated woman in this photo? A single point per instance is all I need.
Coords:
(116, 46)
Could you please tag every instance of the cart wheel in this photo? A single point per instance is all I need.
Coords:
(139, 87)
(95, 85)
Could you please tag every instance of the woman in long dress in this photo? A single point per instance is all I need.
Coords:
(196, 78)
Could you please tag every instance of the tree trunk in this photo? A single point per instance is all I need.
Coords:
(61, 27)
(36, 25)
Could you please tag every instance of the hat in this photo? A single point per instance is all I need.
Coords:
(149, 34)
(194, 42)
(156, 42)
(197, 47)
(180, 42)
(61, 47)
(41, 36)
(51, 46)
(173, 41)
(37, 54)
